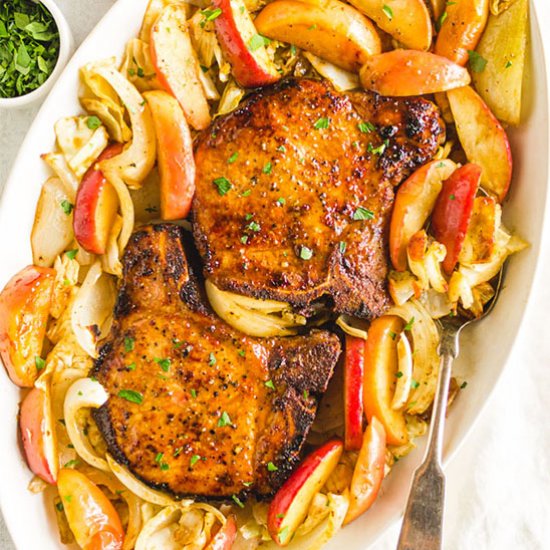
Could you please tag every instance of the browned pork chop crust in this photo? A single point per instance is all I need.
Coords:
(284, 184)
(209, 408)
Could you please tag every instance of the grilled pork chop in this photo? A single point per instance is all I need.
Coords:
(195, 407)
(294, 191)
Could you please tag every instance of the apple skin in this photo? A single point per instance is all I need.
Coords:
(24, 310)
(409, 72)
(329, 29)
(225, 537)
(413, 205)
(37, 434)
(177, 66)
(96, 206)
(483, 139)
(368, 473)
(290, 505)
(175, 155)
(453, 211)
(353, 392)
(462, 29)
(250, 69)
(381, 365)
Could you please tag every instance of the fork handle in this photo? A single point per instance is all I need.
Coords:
(423, 520)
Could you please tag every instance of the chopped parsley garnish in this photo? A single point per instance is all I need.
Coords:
(387, 11)
(477, 62)
(366, 127)
(59, 507)
(159, 457)
(442, 20)
(39, 362)
(224, 420)
(271, 467)
(463, 385)
(398, 374)
(283, 534)
(72, 464)
(129, 344)
(244, 239)
(93, 122)
(209, 15)
(257, 41)
(233, 158)
(164, 364)
(68, 498)
(409, 325)
(211, 359)
(237, 501)
(363, 213)
(159, 460)
(306, 253)
(132, 396)
(253, 226)
(414, 384)
(392, 334)
(508, 64)
(281, 201)
(194, 460)
(306, 394)
(267, 168)
(193, 393)
(281, 149)
(342, 245)
(452, 197)
(248, 217)
(293, 50)
(322, 124)
(71, 254)
(242, 353)
(223, 185)
(131, 366)
(29, 47)
(67, 207)
(377, 150)
(246, 193)
(269, 384)
(247, 483)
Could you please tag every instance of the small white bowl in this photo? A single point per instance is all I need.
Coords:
(66, 48)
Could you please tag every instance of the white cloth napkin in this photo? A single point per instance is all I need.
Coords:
(498, 492)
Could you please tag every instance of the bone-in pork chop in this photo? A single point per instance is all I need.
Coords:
(294, 190)
(195, 407)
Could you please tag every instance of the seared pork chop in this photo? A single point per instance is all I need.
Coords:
(294, 191)
(195, 407)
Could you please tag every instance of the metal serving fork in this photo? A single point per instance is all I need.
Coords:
(423, 520)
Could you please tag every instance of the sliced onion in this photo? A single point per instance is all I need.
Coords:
(92, 310)
(52, 231)
(110, 261)
(140, 489)
(58, 164)
(425, 340)
(437, 304)
(263, 318)
(342, 80)
(402, 286)
(344, 322)
(405, 366)
(231, 97)
(84, 393)
(137, 65)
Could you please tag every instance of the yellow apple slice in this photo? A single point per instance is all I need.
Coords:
(332, 30)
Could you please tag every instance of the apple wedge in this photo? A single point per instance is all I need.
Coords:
(225, 537)
(413, 205)
(96, 206)
(504, 45)
(290, 505)
(410, 72)
(24, 310)
(408, 21)
(245, 50)
(381, 370)
(368, 472)
(461, 29)
(453, 211)
(331, 30)
(177, 65)
(353, 392)
(38, 434)
(175, 155)
(483, 139)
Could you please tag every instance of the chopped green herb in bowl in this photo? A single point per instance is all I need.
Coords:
(35, 43)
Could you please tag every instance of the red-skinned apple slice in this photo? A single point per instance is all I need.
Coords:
(483, 139)
(177, 65)
(225, 537)
(24, 310)
(96, 206)
(414, 203)
(330, 29)
(250, 63)
(453, 210)
(381, 366)
(291, 503)
(38, 434)
(410, 72)
(369, 471)
(353, 392)
(175, 155)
